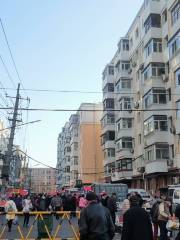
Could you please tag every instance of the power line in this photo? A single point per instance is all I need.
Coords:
(21, 125)
(7, 72)
(10, 51)
(91, 110)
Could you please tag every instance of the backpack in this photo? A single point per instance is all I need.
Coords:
(42, 204)
(155, 212)
(10, 208)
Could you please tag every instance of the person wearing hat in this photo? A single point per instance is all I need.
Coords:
(95, 221)
(137, 224)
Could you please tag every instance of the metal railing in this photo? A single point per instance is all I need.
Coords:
(40, 216)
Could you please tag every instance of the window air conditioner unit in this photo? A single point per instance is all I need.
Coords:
(173, 130)
(136, 104)
(132, 150)
(170, 162)
(165, 77)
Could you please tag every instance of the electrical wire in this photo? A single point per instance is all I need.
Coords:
(7, 71)
(87, 92)
(10, 51)
(90, 110)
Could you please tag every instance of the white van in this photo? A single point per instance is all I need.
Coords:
(174, 193)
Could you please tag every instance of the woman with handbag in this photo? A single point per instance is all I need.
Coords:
(163, 217)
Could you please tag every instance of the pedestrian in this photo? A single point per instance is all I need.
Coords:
(18, 202)
(27, 206)
(10, 209)
(137, 224)
(95, 221)
(56, 204)
(104, 199)
(177, 214)
(163, 216)
(82, 202)
(126, 204)
(154, 212)
(112, 206)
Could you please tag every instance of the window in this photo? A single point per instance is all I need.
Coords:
(125, 66)
(124, 123)
(131, 43)
(155, 123)
(68, 149)
(157, 96)
(125, 142)
(162, 151)
(110, 152)
(109, 119)
(109, 103)
(111, 70)
(75, 160)
(174, 45)
(123, 83)
(137, 33)
(139, 138)
(109, 87)
(154, 45)
(164, 17)
(75, 146)
(177, 77)
(154, 20)
(108, 136)
(154, 70)
(125, 103)
(124, 164)
(126, 83)
(125, 44)
(175, 13)
(178, 109)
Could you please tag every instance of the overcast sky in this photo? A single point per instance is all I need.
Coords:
(61, 45)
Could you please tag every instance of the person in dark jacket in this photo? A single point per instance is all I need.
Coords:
(177, 214)
(137, 224)
(95, 221)
(112, 206)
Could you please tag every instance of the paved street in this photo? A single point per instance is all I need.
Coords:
(65, 230)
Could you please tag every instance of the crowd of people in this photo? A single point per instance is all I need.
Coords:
(98, 214)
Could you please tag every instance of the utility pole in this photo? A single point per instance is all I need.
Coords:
(9, 153)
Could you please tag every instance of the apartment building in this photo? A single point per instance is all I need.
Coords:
(42, 180)
(141, 93)
(86, 156)
(63, 163)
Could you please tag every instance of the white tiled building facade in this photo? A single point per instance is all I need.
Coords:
(141, 95)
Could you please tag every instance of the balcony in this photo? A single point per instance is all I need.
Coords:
(153, 57)
(122, 74)
(152, 7)
(124, 153)
(125, 132)
(109, 144)
(153, 32)
(108, 127)
(158, 166)
(156, 136)
(123, 175)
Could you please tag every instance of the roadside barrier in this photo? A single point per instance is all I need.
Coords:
(40, 218)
